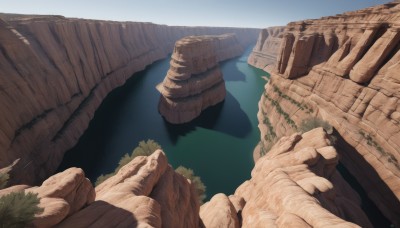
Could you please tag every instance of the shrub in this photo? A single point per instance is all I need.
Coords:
(4, 174)
(196, 181)
(18, 209)
(3, 179)
(144, 149)
(314, 122)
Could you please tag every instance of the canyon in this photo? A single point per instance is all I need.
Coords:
(342, 69)
(58, 72)
(300, 173)
(194, 81)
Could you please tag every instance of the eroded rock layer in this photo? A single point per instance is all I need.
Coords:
(344, 70)
(55, 72)
(294, 185)
(266, 51)
(194, 81)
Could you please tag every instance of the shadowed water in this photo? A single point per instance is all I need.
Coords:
(218, 145)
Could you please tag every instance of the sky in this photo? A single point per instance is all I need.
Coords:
(227, 13)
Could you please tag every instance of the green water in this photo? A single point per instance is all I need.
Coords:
(218, 145)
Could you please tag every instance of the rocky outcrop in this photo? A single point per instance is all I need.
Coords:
(344, 70)
(194, 81)
(56, 71)
(144, 193)
(266, 51)
(295, 184)
(60, 196)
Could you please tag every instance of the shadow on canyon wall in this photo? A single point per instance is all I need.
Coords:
(350, 154)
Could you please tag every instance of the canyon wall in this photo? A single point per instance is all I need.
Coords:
(194, 81)
(344, 70)
(296, 183)
(266, 50)
(56, 71)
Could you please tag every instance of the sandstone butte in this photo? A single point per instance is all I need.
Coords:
(343, 69)
(194, 81)
(56, 71)
(296, 183)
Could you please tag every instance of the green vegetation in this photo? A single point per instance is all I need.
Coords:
(144, 149)
(271, 133)
(373, 143)
(195, 180)
(265, 149)
(4, 174)
(315, 122)
(281, 111)
(291, 100)
(3, 179)
(18, 209)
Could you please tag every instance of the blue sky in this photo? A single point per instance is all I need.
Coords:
(232, 13)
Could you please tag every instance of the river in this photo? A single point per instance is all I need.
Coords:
(218, 145)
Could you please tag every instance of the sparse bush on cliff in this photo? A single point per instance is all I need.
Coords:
(301, 106)
(18, 209)
(144, 149)
(371, 142)
(4, 174)
(3, 179)
(195, 180)
(314, 122)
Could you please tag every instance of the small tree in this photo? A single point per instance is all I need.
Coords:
(196, 181)
(314, 122)
(18, 209)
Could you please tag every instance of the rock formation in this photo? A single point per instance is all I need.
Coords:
(194, 81)
(60, 196)
(56, 71)
(265, 52)
(344, 69)
(296, 183)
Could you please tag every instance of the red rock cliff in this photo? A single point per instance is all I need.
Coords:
(56, 71)
(265, 52)
(344, 70)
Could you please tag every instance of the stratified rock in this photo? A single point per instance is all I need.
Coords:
(343, 69)
(55, 72)
(266, 51)
(194, 81)
(144, 193)
(60, 196)
(296, 184)
(219, 212)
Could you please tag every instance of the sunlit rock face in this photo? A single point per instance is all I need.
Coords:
(194, 81)
(294, 184)
(343, 69)
(56, 71)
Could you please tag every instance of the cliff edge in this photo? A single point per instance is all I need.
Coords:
(343, 69)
